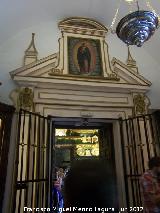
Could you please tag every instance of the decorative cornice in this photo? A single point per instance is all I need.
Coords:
(83, 26)
(51, 81)
(81, 22)
(57, 72)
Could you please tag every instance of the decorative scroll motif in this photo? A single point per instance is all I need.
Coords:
(55, 71)
(113, 76)
(140, 104)
(26, 98)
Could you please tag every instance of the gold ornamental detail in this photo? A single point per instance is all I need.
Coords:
(55, 71)
(26, 98)
(139, 103)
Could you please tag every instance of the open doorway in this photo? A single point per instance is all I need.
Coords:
(84, 142)
(41, 150)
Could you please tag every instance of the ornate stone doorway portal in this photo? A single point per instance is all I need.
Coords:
(59, 86)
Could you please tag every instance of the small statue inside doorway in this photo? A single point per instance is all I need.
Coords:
(26, 98)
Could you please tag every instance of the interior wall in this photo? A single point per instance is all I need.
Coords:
(46, 40)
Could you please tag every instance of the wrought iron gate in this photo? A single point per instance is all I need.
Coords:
(140, 141)
(140, 137)
(6, 115)
(34, 169)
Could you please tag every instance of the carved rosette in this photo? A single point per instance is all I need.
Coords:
(141, 104)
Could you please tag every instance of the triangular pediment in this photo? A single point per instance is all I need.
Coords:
(37, 68)
(128, 75)
(45, 68)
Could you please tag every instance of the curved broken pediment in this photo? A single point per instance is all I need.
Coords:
(79, 22)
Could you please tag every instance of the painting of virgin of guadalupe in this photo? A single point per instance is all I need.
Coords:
(84, 57)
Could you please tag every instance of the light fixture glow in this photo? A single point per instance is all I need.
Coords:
(129, 1)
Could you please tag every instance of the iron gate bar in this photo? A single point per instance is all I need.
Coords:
(32, 181)
(17, 161)
(43, 150)
(38, 162)
(134, 145)
(1, 135)
(47, 159)
(135, 148)
(129, 148)
(33, 159)
(130, 163)
(142, 158)
(140, 144)
(124, 161)
(157, 125)
(20, 194)
(146, 135)
(52, 150)
(137, 116)
(133, 157)
(152, 133)
(28, 159)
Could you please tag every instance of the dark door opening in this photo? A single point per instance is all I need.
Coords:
(92, 141)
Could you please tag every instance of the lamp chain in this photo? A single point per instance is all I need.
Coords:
(115, 17)
(137, 5)
(130, 2)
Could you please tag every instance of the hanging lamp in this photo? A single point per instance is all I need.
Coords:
(137, 27)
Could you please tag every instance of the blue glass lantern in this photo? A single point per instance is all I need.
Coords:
(137, 27)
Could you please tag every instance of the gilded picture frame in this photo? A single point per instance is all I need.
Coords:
(84, 57)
